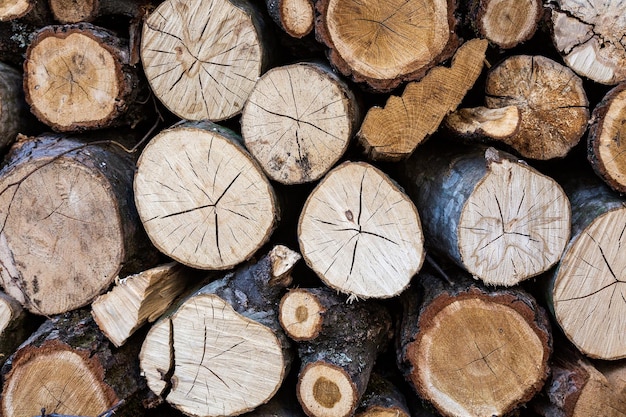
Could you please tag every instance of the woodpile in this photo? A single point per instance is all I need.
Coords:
(324, 208)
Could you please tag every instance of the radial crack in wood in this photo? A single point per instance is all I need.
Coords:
(298, 121)
(393, 132)
(386, 42)
(590, 38)
(506, 23)
(551, 99)
(202, 58)
(202, 198)
(360, 233)
(492, 214)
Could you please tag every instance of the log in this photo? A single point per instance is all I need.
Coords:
(586, 291)
(75, 11)
(221, 351)
(202, 198)
(15, 325)
(138, 299)
(577, 388)
(295, 17)
(472, 351)
(33, 12)
(590, 38)
(480, 123)
(68, 225)
(505, 23)
(13, 109)
(605, 149)
(87, 83)
(336, 365)
(68, 367)
(551, 99)
(202, 59)
(360, 233)
(392, 133)
(382, 399)
(492, 214)
(298, 121)
(386, 42)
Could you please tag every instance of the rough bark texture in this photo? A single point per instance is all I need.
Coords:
(13, 108)
(360, 233)
(382, 399)
(605, 142)
(490, 213)
(221, 351)
(393, 132)
(68, 367)
(551, 99)
(298, 121)
(336, 366)
(87, 83)
(472, 351)
(15, 325)
(590, 38)
(68, 225)
(202, 198)
(586, 292)
(384, 43)
(202, 59)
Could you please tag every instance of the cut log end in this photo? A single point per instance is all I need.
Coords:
(202, 199)
(325, 390)
(590, 310)
(297, 17)
(589, 36)
(483, 122)
(551, 99)
(81, 84)
(76, 381)
(298, 122)
(508, 23)
(389, 42)
(514, 225)
(300, 314)
(202, 59)
(14, 9)
(360, 233)
(72, 11)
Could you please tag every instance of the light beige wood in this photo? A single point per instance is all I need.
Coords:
(589, 289)
(201, 197)
(13, 9)
(301, 314)
(138, 299)
(393, 132)
(295, 17)
(360, 233)
(590, 37)
(298, 121)
(326, 390)
(483, 122)
(385, 42)
(551, 99)
(202, 58)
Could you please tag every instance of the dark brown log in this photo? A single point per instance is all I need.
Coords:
(587, 290)
(68, 225)
(360, 233)
(505, 23)
(87, 83)
(393, 132)
(16, 324)
(489, 212)
(473, 351)
(606, 140)
(577, 388)
(202, 59)
(13, 108)
(386, 42)
(294, 17)
(221, 351)
(68, 367)
(382, 399)
(75, 11)
(551, 99)
(202, 199)
(298, 121)
(590, 38)
(336, 365)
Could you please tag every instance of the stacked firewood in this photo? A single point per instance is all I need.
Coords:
(324, 208)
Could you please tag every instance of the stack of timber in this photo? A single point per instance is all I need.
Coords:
(328, 208)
